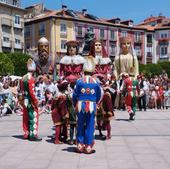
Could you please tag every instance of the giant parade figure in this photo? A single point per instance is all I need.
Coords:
(102, 60)
(86, 96)
(42, 58)
(29, 103)
(126, 61)
(71, 64)
(44, 63)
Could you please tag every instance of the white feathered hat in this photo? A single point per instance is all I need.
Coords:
(43, 40)
(31, 65)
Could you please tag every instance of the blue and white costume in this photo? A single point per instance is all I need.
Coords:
(86, 95)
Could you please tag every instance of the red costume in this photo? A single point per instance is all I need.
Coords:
(71, 65)
(131, 88)
(105, 113)
(60, 116)
(102, 61)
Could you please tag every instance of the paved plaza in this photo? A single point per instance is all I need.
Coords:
(140, 144)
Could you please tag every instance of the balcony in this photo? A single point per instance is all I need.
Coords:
(138, 41)
(63, 34)
(149, 44)
(113, 38)
(149, 57)
(7, 44)
(163, 39)
(18, 45)
(19, 26)
(6, 22)
(102, 37)
(164, 56)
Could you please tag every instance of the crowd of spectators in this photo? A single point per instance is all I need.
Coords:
(155, 95)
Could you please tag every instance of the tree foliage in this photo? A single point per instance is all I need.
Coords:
(19, 61)
(150, 70)
(6, 65)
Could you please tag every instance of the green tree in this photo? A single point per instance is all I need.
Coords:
(20, 63)
(165, 65)
(149, 70)
(6, 65)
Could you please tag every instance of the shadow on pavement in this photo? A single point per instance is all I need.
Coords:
(98, 137)
(70, 149)
(122, 120)
(50, 140)
(19, 137)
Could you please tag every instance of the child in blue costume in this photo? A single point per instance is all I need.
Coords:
(86, 95)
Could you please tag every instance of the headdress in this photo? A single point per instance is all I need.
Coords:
(124, 40)
(72, 43)
(43, 40)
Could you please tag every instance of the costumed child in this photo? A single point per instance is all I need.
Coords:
(72, 113)
(60, 114)
(131, 88)
(106, 109)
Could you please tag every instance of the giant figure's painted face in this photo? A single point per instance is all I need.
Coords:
(125, 47)
(98, 48)
(43, 53)
(72, 50)
(125, 44)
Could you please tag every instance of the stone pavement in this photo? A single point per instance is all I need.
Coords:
(141, 144)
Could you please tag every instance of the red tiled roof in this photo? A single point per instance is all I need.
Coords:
(164, 24)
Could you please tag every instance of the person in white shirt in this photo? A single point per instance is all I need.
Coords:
(143, 90)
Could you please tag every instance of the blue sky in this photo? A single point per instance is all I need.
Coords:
(136, 10)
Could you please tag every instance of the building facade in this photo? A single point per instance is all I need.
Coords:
(150, 38)
(11, 26)
(157, 39)
(47, 24)
(65, 24)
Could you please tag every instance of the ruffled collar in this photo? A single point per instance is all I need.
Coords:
(74, 60)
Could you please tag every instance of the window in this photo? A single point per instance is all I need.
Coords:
(27, 31)
(17, 19)
(15, 2)
(124, 34)
(112, 34)
(149, 38)
(149, 52)
(6, 39)
(91, 29)
(138, 50)
(63, 28)
(153, 23)
(4, 1)
(17, 41)
(79, 30)
(149, 49)
(102, 33)
(163, 50)
(42, 29)
(113, 49)
(63, 44)
(138, 36)
(164, 35)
